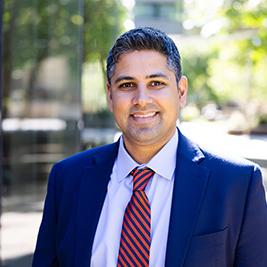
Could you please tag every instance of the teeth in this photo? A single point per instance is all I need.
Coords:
(144, 115)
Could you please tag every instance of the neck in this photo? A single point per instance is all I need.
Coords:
(143, 153)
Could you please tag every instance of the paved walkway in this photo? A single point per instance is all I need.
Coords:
(19, 231)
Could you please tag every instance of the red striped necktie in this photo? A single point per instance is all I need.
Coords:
(135, 235)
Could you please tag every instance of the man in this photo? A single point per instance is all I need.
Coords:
(153, 198)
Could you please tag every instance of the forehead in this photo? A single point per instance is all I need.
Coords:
(144, 62)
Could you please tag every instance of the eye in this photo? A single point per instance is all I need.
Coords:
(127, 85)
(157, 84)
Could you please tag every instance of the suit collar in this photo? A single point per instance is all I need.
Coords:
(162, 163)
(189, 190)
(105, 154)
(189, 150)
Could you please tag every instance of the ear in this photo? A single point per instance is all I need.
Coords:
(109, 96)
(182, 90)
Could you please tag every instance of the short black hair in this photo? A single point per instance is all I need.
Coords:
(145, 38)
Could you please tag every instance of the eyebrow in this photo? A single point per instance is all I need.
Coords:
(130, 78)
(122, 78)
(157, 75)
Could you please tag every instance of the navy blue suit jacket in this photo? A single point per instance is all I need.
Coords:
(218, 215)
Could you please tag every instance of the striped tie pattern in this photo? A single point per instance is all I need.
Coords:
(135, 235)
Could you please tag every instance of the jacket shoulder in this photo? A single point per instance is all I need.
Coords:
(223, 159)
(230, 167)
(87, 157)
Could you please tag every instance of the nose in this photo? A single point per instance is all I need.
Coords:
(142, 96)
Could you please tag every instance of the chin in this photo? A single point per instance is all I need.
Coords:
(146, 138)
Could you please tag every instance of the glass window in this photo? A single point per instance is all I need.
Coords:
(41, 111)
(143, 10)
(155, 10)
(168, 11)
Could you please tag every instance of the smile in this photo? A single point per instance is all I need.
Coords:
(148, 115)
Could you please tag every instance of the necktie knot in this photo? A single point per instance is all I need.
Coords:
(141, 178)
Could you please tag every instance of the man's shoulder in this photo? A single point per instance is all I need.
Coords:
(86, 157)
(228, 163)
(215, 158)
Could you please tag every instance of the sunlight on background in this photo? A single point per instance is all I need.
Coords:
(129, 4)
(129, 23)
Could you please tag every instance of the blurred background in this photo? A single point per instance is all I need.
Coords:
(53, 101)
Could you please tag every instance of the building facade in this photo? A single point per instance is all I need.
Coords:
(164, 15)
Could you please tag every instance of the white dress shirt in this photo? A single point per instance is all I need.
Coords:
(159, 192)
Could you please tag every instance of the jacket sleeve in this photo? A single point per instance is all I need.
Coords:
(45, 251)
(251, 248)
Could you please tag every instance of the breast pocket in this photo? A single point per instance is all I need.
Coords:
(208, 250)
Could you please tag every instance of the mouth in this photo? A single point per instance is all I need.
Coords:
(141, 117)
(144, 115)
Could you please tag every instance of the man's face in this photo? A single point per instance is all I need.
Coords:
(145, 98)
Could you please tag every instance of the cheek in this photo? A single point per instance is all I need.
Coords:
(171, 107)
(169, 100)
(122, 99)
(120, 106)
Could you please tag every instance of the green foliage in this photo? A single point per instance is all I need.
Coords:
(251, 48)
(103, 21)
(40, 29)
(196, 68)
(79, 31)
(240, 18)
(46, 28)
(34, 31)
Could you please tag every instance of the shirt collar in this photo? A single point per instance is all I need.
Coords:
(163, 163)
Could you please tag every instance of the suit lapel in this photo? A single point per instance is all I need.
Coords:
(92, 194)
(188, 193)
